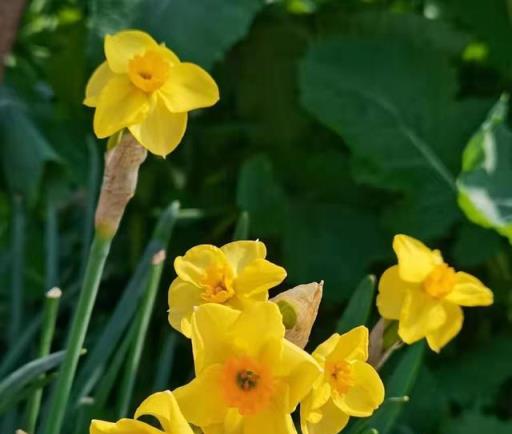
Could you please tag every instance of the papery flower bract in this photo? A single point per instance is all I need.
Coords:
(144, 87)
(248, 377)
(235, 274)
(161, 405)
(348, 387)
(424, 294)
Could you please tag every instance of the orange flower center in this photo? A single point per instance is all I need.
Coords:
(247, 385)
(440, 281)
(148, 71)
(218, 285)
(339, 375)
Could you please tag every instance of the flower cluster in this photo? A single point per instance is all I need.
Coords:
(249, 378)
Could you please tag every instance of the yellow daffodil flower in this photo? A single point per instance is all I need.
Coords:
(424, 294)
(162, 406)
(235, 274)
(248, 377)
(144, 87)
(348, 387)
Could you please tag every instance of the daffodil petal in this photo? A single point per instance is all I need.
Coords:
(161, 131)
(439, 337)
(163, 406)
(242, 253)
(421, 314)
(469, 291)
(332, 420)
(299, 370)
(209, 325)
(326, 348)
(269, 421)
(119, 105)
(367, 393)
(183, 298)
(194, 266)
(123, 46)
(170, 55)
(99, 79)
(258, 276)
(189, 87)
(201, 400)
(415, 260)
(123, 426)
(351, 346)
(392, 290)
(249, 336)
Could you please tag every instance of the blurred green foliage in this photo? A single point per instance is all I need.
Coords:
(340, 124)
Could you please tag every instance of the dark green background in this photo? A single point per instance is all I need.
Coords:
(340, 124)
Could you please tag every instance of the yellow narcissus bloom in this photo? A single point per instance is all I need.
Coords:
(235, 274)
(162, 406)
(424, 294)
(248, 377)
(348, 387)
(144, 87)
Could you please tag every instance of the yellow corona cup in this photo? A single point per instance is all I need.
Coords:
(424, 294)
(348, 387)
(235, 274)
(248, 377)
(162, 406)
(144, 87)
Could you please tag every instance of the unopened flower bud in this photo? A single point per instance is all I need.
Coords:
(119, 183)
(299, 308)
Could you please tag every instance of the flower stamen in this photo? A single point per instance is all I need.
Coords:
(149, 71)
(440, 281)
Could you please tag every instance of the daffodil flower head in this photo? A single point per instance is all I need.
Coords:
(235, 274)
(162, 406)
(248, 377)
(348, 387)
(425, 294)
(144, 87)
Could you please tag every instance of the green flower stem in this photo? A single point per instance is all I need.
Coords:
(142, 324)
(51, 308)
(51, 244)
(97, 256)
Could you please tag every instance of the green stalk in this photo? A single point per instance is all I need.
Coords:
(142, 321)
(242, 227)
(51, 309)
(51, 244)
(93, 272)
(165, 363)
(18, 265)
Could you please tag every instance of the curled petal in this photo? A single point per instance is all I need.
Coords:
(351, 346)
(452, 325)
(469, 291)
(392, 291)
(99, 79)
(415, 260)
(124, 46)
(194, 266)
(242, 253)
(183, 298)
(189, 87)
(330, 420)
(258, 276)
(161, 131)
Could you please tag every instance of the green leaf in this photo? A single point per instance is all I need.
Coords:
(24, 152)
(474, 245)
(476, 423)
(404, 133)
(259, 193)
(359, 307)
(457, 376)
(12, 385)
(331, 242)
(198, 31)
(484, 183)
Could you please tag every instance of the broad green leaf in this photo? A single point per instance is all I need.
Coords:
(400, 120)
(259, 193)
(24, 152)
(457, 376)
(475, 245)
(471, 422)
(198, 31)
(359, 306)
(331, 242)
(484, 183)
